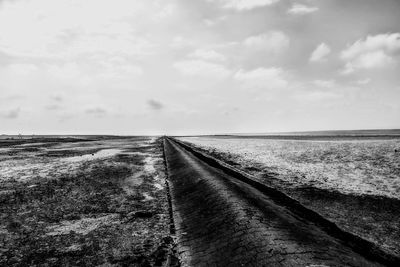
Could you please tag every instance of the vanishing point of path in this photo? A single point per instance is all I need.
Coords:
(222, 221)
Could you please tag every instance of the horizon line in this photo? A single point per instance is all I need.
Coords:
(206, 134)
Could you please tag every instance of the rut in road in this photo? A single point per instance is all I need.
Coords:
(221, 221)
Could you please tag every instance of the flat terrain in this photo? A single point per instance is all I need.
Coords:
(353, 181)
(103, 200)
(82, 201)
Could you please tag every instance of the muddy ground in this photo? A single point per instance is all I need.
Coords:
(375, 218)
(80, 202)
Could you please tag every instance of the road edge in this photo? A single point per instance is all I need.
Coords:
(173, 255)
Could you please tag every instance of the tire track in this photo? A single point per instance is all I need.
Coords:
(222, 221)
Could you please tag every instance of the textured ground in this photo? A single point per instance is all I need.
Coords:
(353, 182)
(83, 203)
(350, 166)
(222, 221)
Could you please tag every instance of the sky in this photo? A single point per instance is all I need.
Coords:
(198, 67)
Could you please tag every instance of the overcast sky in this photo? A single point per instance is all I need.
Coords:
(204, 66)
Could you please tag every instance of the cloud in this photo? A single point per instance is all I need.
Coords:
(261, 78)
(300, 9)
(376, 59)
(320, 53)
(116, 67)
(165, 11)
(214, 21)
(96, 111)
(201, 68)
(53, 34)
(370, 60)
(324, 83)
(207, 54)
(242, 5)
(53, 107)
(23, 69)
(65, 116)
(154, 104)
(57, 98)
(376, 51)
(273, 41)
(318, 96)
(179, 42)
(56, 102)
(11, 98)
(363, 81)
(11, 114)
(390, 43)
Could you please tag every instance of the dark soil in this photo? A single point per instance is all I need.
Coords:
(13, 142)
(375, 218)
(67, 153)
(92, 217)
(140, 149)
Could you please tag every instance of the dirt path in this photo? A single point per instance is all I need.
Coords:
(225, 222)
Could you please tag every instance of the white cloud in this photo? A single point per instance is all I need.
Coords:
(96, 111)
(23, 69)
(179, 42)
(68, 71)
(320, 53)
(201, 68)
(214, 21)
(374, 52)
(324, 83)
(262, 78)
(45, 28)
(165, 11)
(94, 72)
(241, 5)
(363, 81)
(207, 54)
(300, 9)
(318, 96)
(388, 42)
(118, 67)
(273, 41)
(376, 59)
(53, 107)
